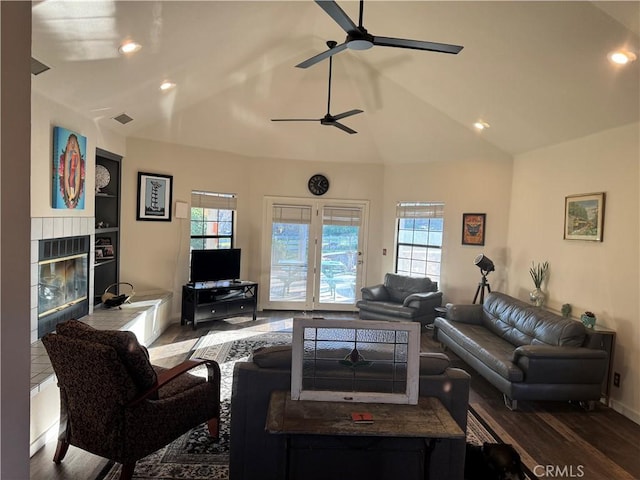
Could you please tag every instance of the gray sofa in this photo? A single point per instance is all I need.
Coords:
(256, 454)
(526, 352)
(401, 298)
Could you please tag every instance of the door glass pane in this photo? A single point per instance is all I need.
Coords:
(339, 255)
(289, 262)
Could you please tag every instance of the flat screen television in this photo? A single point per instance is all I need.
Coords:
(215, 265)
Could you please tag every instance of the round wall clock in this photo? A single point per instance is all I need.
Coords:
(318, 184)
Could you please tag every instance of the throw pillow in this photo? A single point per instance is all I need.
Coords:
(133, 355)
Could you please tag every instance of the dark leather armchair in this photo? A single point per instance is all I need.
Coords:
(401, 298)
(115, 404)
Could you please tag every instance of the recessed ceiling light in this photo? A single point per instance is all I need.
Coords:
(622, 57)
(167, 85)
(129, 47)
(480, 125)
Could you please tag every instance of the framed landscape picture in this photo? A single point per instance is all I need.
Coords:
(154, 197)
(584, 216)
(473, 228)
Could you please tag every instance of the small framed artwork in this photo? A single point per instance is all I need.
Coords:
(154, 197)
(473, 228)
(584, 216)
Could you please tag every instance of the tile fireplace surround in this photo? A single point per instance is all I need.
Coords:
(44, 228)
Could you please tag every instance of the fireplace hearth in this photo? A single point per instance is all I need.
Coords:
(63, 281)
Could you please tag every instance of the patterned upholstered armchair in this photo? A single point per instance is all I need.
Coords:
(115, 404)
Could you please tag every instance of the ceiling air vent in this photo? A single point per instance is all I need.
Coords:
(123, 118)
(37, 67)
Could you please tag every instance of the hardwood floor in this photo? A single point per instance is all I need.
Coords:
(556, 439)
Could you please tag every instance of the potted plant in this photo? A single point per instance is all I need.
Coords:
(588, 319)
(538, 273)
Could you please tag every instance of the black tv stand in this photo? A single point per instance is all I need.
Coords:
(206, 301)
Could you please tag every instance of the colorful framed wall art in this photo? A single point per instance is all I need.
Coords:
(69, 166)
(473, 228)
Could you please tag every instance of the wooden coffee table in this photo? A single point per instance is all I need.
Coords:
(428, 420)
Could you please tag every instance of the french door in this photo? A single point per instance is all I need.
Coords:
(314, 253)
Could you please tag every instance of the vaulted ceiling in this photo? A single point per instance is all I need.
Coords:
(537, 72)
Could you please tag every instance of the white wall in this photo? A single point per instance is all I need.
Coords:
(601, 277)
(45, 115)
(156, 254)
(478, 185)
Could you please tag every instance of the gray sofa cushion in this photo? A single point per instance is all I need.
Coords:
(433, 363)
(400, 286)
(522, 324)
(495, 352)
(275, 356)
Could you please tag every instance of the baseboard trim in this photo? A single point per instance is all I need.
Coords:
(625, 411)
(43, 439)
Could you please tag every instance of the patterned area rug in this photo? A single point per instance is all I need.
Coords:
(195, 455)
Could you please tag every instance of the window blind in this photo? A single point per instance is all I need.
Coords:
(419, 210)
(342, 216)
(221, 201)
(291, 214)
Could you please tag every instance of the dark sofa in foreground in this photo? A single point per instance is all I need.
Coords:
(526, 352)
(256, 454)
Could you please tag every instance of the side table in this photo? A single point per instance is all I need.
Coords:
(602, 338)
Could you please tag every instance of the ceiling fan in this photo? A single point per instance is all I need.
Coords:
(359, 39)
(328, 119)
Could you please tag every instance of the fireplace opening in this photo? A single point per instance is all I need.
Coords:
(63, 281)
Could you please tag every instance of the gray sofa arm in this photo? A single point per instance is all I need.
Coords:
(571, 365)
(464, 313)
(377, 293)
(423, 300)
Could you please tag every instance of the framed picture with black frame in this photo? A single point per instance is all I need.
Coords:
(154, 197)
(473, 228)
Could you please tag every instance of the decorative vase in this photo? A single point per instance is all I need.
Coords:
(537, 297)
(588, 319)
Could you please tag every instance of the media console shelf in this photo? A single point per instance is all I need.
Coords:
(205, 301)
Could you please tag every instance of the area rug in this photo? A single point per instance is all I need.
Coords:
(195, 455)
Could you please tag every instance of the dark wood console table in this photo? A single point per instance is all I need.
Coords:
(205, 301)
(429, 420)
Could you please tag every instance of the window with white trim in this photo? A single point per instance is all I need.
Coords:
(212, 220)
(419, 239)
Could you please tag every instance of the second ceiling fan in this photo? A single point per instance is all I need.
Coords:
(328, 119)
(359, 39)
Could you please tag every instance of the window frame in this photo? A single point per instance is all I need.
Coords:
(419, 210)
(213, 201)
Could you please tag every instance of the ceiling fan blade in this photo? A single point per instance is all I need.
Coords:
(338, 15)
(296, 119)
(417, 45)
(321, 56)
(340, 116)
(340, 126)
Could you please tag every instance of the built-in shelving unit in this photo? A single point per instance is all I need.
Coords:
(107, 227)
